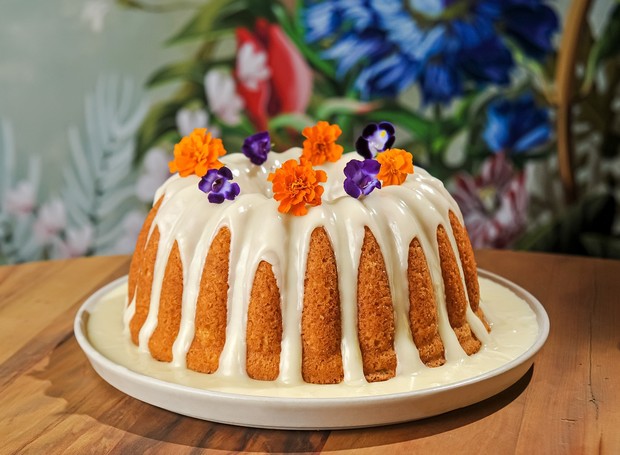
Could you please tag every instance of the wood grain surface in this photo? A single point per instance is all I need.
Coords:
(52, 401)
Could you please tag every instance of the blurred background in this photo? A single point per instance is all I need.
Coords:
(514, 104)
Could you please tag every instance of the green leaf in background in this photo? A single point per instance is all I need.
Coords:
(607, 46)
(190, 70)
(334, 106)
(213, 15)
(296, 121)
(592, 216)
(296, 33)
(602, 246)
(160, 120)
(420, 127)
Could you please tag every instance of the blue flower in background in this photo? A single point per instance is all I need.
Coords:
(444, 45)
(516, 126)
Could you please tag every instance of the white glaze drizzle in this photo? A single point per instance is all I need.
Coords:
(395, 215)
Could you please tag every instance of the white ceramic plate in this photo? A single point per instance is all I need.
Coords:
(311, 413)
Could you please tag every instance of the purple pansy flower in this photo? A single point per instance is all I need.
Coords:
(217, 184)
(375, 138)
(256, 147)
(361, 177)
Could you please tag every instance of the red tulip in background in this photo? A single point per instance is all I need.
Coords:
(286, 86)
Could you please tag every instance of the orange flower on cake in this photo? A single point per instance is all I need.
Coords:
(396, 164)
(320, 144)
(296, 186)
(197, 153)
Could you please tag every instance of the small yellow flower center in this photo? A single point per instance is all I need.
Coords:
(488, 196)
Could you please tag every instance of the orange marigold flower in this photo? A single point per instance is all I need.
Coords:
(296, 185)
(320, 144)
(197, 153)
(395, 165)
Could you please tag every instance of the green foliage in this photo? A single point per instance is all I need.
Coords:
(583, 228)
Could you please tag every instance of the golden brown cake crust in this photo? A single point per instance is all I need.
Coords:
(422, 308)
(468, 261)
(456, 302)
(320, 319)
(136, 260)
(143, 286)
(169, 314)
(264, 327)
(211, 307)
(375, 313)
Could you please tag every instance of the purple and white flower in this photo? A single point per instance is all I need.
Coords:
(218, 185)
(256, 147)
(361, 177)
(494, 203)
(375, 138)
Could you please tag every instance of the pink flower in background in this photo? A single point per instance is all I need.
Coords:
(51, 220)
(21, 200)
(77, 242)
(222, 97)
(494, 203)
(190, 119)
(155, 172)
(284, 85)
(132, 224)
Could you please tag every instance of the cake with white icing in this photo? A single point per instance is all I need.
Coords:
(304, 266)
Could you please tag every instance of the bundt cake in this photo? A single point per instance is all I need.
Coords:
(374, 278)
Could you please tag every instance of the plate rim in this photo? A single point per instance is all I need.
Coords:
(97, 359)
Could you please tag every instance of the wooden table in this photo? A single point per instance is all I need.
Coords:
(52, 401)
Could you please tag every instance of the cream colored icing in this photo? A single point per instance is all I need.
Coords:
(515, 330)
(395, 215)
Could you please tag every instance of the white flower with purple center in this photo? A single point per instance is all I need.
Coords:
(361, 177)
(375, 138)
(256, 147)
(218, 185)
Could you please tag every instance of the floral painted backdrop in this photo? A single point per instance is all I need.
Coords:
(514, 104)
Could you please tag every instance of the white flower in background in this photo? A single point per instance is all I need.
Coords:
(77, 242)
(190, 119)
(94, 13)
(154, 172)
(21, 200)
(132, 223)
(51, 220)
(222, 96)
(252, 66)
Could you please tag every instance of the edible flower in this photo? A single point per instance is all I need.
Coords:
(375, 138)
(197, 153)
(395, 165)
(320, 144)
(361, 177)
(256, 147)
(217, 184)
(296, 185)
